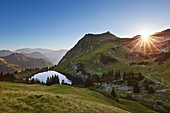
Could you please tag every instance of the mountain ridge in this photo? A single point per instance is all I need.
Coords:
(53, 55)
(85, 54)
(18, 62)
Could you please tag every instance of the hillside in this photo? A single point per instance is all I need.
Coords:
(97, 54)
(105, 62)
(17, 97)
(165, 33)
(5, 67)
(17, 62)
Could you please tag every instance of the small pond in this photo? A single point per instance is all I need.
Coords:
(42, 77)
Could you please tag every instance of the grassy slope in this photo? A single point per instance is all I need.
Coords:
(16, 97)
(88, 56)
(28, 73)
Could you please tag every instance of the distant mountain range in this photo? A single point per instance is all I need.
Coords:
(19, 59)
(36, 55)
(50, 55)
(4, 53)
(18, 62)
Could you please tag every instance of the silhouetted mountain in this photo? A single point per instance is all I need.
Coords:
(4, 53)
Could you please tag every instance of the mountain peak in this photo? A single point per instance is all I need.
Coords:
(108, 32)
(105, 34)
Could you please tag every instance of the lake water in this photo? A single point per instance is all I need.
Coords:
(43, 76)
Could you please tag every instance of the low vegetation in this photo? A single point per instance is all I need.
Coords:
(18, 97)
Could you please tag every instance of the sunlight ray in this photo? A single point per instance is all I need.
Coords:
(153, 45)
(141, 45)
(136, 45)
(149, 46)
(134, 41)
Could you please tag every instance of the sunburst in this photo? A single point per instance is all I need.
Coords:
(145, 44)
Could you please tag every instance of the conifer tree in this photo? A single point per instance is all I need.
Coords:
(27, 80)
(136, 88)
(88, 82)
(48, 81)
(113, 93)
(140, 77)
(32, 81)
(124, 75)
(62, 82)
(151, 90)
(1, 76)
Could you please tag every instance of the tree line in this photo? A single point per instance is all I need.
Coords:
(49, 81)
(129, 78)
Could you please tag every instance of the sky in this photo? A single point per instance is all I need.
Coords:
(59, 24)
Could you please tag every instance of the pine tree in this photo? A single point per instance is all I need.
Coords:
(111, 73)
(146, 85)
(119, 75)
(32, 81)
(151, 90)
(116, 75)
(88, 82)
(53, 80)
(136, 88)
(140, 77)
(113, 93)
(62, 82)
(56, 80)
(1, 76)
(124, 75)
(27, 80)
(48, 81)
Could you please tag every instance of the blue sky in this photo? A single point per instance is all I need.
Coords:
(59, 24)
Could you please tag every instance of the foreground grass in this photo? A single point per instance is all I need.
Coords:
(16, 97)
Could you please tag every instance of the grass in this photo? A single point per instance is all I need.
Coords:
(17, 97)
(27, 73)
(88, 56)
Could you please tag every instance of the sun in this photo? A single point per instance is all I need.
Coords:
(145, 44)
(145, 37)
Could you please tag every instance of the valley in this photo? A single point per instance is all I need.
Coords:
(101, 64)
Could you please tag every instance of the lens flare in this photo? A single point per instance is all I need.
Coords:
(145, 38)
(145, 43)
